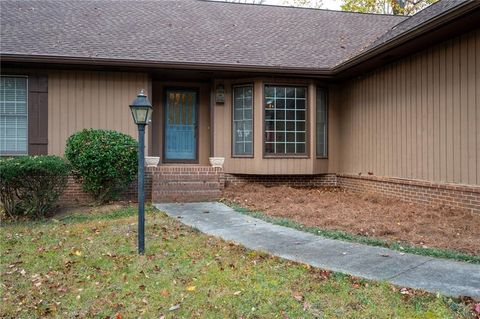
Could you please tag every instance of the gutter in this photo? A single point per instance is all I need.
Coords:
(22, 58)
(427, 26)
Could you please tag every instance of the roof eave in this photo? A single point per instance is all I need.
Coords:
(106, 62)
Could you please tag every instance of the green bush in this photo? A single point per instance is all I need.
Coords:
(31, 185)
(104, 161)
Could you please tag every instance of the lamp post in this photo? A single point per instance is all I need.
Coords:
(141, 109)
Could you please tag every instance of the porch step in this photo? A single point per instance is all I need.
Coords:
(186, 183)
(187, 196)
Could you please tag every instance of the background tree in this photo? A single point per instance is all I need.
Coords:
(246, 1)
(304, 3)
(397, 7)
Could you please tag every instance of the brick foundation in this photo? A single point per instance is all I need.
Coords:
(187, 183)
(414, 191)
(323, 180)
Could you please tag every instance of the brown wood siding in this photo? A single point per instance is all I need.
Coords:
(258, 164)
(84, 99)
(418, 118)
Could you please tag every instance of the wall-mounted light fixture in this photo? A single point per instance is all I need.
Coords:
(220, 94)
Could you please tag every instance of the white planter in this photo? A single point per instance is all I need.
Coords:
(151, 161)
(217, 161)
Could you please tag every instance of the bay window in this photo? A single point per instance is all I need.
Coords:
(243, 120)
(285, 114)
(321, 122)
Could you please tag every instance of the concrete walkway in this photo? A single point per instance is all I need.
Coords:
(432, 274)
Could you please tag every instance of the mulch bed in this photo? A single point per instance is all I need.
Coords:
(368, 215)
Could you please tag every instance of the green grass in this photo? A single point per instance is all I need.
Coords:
(372, 241)
(86, 266)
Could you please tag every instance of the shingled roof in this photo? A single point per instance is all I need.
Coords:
(188, 31)
(423, 16)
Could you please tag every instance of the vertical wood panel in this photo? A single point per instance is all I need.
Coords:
(449, 112)
(442, 96)
(414, 110)
(477, 102)
(416, 118)
(456, 113)
(472, 87)
(79, 100)
(436, 116)
(464, 109)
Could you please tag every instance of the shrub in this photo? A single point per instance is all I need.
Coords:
(31, 185)
(104, 161)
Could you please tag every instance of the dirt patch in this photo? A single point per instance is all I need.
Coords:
(369, 215)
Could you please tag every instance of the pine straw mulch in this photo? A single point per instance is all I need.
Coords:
(368, 215)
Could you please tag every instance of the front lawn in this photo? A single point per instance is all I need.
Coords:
(85, 265)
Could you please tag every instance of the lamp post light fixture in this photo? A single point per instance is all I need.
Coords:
(141, 109)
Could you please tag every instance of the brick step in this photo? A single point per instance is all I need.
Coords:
(185, 196)
(187, 185)
(186, 177)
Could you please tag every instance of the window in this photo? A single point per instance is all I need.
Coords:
(13, 115)
(285, 120)
(321, 122)
(243, 120)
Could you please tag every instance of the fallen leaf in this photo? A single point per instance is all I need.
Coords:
(236, 293)
(191, 288)
(78, 252)
(164, 293)
(174, 307)
(118, 316)
(298, 297)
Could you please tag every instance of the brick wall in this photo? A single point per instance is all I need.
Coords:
(323, 180)
(74, 194)
(415, 191)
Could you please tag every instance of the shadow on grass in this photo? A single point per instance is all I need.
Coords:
(92, 214)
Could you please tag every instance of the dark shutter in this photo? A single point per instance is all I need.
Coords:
(37, 115)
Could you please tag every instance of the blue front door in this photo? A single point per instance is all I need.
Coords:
(181, 114)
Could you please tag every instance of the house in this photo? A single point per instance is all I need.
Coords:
(306, 97)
